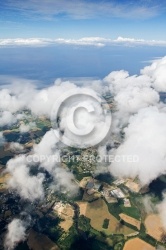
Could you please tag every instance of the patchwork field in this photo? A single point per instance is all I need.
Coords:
(133, 186)
(97, 212)
(137, 244)
(154, 226)
(130, 220)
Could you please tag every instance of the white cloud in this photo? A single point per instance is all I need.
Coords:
(28, 187)
(16, 96)
(85, 41)
(131, 93)
(34, 42)
(134, 41)
(7, 118)
(16, 147)
(156, 72)
(145, 137)
(49, 153)
(8, 81)
(23, 128)
(44, 99)
(16, 233)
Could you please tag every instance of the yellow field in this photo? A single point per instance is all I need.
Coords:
(133, 186)
(84, 181)
(154, 226)
(83, 207)
(66, 212)
(131, 220)
(137, 244)
(3, 180)
(97, 211)
(29, 144)
(66, 224)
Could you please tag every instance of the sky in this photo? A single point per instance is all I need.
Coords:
(82, 18)
(79, 38)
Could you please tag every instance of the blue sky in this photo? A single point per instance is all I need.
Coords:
(143, 19)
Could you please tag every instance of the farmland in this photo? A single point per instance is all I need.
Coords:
(3, 181)
(137, 244)
(154, 226)
(97, 212)
(130, 220)
(66, 213)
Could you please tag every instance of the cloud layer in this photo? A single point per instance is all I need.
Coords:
(85, 41)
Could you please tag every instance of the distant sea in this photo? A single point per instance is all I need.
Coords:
(63, 61)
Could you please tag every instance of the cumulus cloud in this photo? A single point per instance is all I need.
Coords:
(16, 96)
(16, 232)
(156, 72)
(44, 99)
(21, 95)
(27, 186)
(48, 153)
(23, 128)
(145, 137)
(131, 93)
(7, 118)
(16, 147)
(10, 82)
(141, 117)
